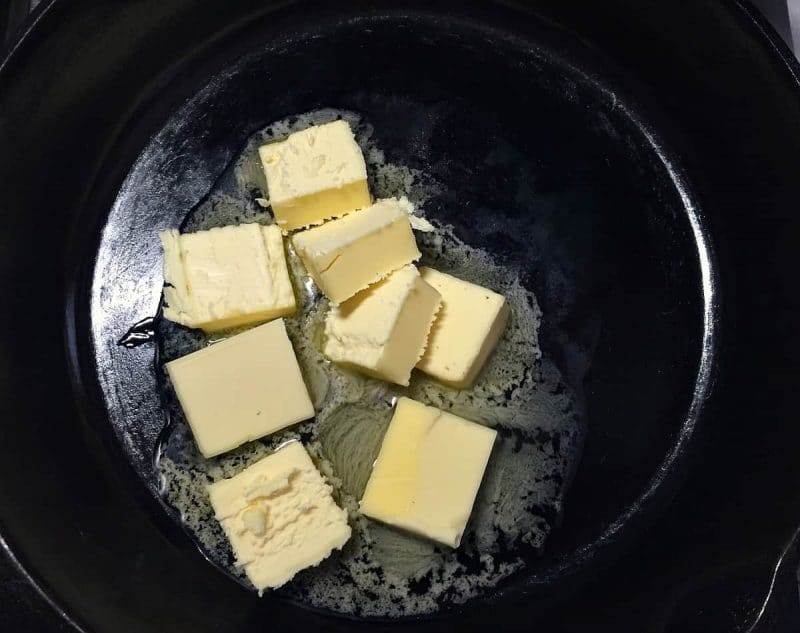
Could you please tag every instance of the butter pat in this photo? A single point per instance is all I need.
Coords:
(382, 330)
(428, 472)
(315, 175)
(241, 388)
(279, 516)
(465, 332)
(347, 255)
(226, 277)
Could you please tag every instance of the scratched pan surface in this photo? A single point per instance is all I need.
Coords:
(553, 156)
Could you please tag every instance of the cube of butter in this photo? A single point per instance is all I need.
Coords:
(279, 516)
(346, 255)
(226, 277)
(465, 332)
(383, 329)
(241, 388)
(316, 174)
(428, 472)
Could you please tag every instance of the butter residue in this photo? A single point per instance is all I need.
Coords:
(421, 224)
(418, 223)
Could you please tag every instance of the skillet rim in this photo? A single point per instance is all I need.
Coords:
(753, 21)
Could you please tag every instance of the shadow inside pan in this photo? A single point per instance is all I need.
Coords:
(536, 162)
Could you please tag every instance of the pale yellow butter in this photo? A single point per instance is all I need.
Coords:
(346, 255)
(279, 516)
(428, 472)
(383, 329)
(241, 388)
(316, 174)
(226, 277)
(466, 330)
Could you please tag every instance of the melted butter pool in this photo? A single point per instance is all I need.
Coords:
(383, 571)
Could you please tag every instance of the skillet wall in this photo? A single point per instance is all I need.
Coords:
(98, 526)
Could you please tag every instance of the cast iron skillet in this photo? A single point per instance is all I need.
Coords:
(649, 133)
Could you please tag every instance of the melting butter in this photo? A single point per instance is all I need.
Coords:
(382, 571)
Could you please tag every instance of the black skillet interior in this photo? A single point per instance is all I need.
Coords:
(588, 198)
(547, 166)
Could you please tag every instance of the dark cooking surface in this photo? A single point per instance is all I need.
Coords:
(559, 180)
(709, 570)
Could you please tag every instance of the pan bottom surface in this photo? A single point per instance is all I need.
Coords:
(544, 183)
